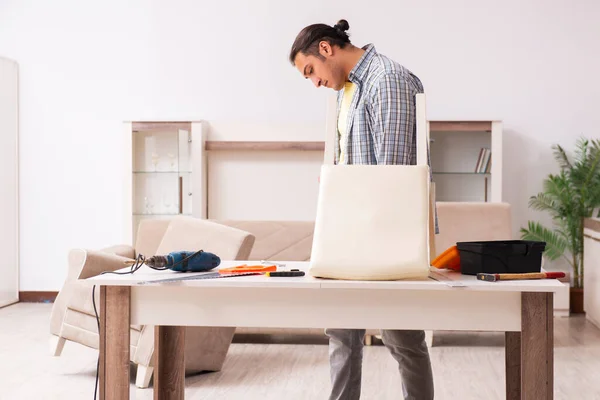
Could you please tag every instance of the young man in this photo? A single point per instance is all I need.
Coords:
(376, 125)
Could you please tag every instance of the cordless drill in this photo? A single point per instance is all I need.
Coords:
(183, 261)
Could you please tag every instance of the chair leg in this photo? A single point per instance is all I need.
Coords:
(368, 340)
(57, 344)
(429, 338)
(144, 374)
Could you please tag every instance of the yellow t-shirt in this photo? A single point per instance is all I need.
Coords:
(349, 89)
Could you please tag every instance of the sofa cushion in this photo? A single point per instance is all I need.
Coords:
(278, 240)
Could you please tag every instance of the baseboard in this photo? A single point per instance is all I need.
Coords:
(37, 297)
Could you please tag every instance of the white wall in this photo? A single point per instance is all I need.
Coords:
(87, 67)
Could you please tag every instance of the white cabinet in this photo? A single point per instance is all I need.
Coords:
(591, 273)
(9, 183)
(168, 171)
(455, 149)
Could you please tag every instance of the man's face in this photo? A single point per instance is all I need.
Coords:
(322, 72)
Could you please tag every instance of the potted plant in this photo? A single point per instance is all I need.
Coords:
(569, 196)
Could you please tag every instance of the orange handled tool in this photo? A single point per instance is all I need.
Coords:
(449, 259)
(248, 268)
(529, 275)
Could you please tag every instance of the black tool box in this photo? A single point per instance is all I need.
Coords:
(500, 256)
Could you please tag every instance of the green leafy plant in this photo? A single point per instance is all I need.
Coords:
(569, 196)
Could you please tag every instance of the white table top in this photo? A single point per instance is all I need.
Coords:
(144, 277)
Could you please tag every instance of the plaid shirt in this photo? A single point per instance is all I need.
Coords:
(381, 125)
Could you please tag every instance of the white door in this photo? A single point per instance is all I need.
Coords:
(9, 219)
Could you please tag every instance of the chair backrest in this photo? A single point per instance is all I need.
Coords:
(190, 234)
(471, 221)
(149, 235)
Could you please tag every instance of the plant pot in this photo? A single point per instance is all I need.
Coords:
(576, 300)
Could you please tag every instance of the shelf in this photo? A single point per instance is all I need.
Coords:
(149, 126)
(162, 172)
(236, 145)
(263, 145)
(158, 215)
(461, 173)
(460, 126)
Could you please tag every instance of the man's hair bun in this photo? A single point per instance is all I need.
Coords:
(342, 25)
(307, 41)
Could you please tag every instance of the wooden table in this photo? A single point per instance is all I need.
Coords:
(522, 309)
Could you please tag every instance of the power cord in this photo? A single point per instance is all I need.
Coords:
(139, 262)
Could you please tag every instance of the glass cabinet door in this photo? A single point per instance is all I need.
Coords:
(168, 170)
(162, 173)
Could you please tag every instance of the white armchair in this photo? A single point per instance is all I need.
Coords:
(73, 318)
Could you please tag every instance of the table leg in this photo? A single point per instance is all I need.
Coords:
(512, 351)
(114, 342)
(537, 346)
(169, 370)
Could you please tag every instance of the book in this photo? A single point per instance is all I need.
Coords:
(483, 161)
(478, 165)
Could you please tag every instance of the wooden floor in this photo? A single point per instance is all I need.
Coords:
(466, 366)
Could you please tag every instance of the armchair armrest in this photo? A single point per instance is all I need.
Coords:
(84, 264)
(123, 250)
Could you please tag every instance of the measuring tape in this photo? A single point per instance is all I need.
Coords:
(211, 275)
